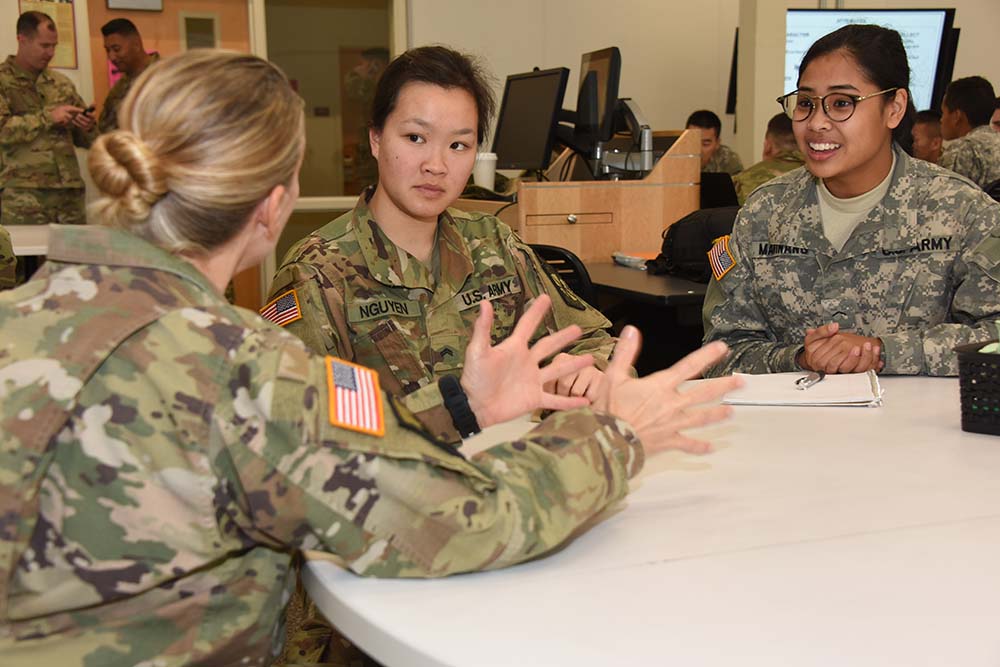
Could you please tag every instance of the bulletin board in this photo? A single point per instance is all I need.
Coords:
(61, 11)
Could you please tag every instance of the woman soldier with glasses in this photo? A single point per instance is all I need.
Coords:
(865, 258)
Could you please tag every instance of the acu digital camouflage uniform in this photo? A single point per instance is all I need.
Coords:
(921, 272)
(364, 299)
(108, 119)
(758, 174)
(40, 178)
(8, 262)
(164, 454)
(724, 161)
(975, 156)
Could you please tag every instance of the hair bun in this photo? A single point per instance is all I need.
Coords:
(127, 172)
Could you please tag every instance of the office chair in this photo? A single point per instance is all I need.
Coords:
(568, 267)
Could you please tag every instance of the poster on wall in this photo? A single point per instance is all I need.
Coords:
(61, 12)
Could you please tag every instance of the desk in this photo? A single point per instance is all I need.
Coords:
(871, 541)
(29, 239)
(645, 287)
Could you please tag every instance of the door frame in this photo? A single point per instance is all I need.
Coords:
(399, 32)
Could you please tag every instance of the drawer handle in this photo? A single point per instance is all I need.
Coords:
(571, 218)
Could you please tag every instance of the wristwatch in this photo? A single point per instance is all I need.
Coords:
(457, 404)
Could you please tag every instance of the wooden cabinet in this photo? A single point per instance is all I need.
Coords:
(597, 218)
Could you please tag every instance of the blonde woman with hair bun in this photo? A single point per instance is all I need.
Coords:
(164, 454)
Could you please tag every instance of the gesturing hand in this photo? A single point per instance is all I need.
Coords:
(654, 406)
(506, 381)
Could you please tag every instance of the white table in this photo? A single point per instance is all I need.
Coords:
(812, 536)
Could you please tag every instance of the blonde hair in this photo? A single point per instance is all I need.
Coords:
(203, 138)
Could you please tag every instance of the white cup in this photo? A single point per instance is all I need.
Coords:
(484, 172)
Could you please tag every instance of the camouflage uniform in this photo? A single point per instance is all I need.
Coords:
(366, 300)
(108, 119)
(975, 156)
(724, 161)
(756, 175)
(40, 179)
(921, 272)
(163, 454)
(8, 262)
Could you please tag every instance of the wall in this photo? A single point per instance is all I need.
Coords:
(81, 76)
(675, 55)
(761, 81)
(161, 30)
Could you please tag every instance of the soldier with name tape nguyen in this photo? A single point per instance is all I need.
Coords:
(867, 259)
(395, 284)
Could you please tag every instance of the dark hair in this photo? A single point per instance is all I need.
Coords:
(705, 119)
(122, 27)
(440, 66)
(997, 103)
(28, 22)
(928, 116)
(974, 95)
(779, 129)
(880, 54)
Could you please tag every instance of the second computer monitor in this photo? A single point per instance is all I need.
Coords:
(603, 69)
(528, 116)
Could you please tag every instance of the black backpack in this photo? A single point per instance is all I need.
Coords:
(686, 243)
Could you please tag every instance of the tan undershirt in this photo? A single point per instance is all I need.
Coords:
(841, 216)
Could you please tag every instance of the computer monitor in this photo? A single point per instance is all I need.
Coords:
(604, 68)
(525, 132)
(927, 35)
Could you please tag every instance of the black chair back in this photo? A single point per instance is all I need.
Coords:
(568, 266)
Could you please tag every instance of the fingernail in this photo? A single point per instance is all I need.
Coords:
(629, 332)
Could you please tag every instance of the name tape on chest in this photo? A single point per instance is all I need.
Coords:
(493, 290)
(382, 307)
(355, 399)
(284, 309)
(930, 244)
(720, 258)
(765, 249)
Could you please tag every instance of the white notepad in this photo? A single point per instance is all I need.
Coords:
(846, 390)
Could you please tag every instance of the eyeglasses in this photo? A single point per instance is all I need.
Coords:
(838, 106)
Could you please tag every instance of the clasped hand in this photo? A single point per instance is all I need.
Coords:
(831, 350)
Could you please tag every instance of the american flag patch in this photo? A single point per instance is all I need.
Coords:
(355, 401)
(283, 309)
(720, 258)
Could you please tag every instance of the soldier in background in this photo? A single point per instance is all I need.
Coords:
(162, 465)
(42, 118)
(781, 155)
(395, 284)
(973, 149)
(995, 120)
(716, 157)
(927, 140)
(870, 259)
(123, 44)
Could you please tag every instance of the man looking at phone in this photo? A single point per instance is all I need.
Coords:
(123, 44)
(42, 118)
